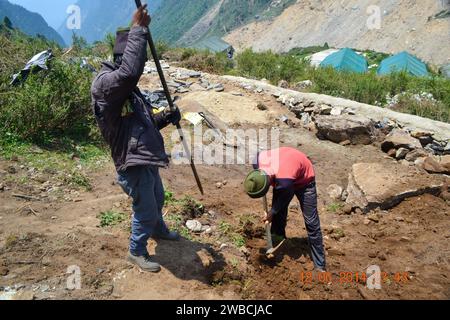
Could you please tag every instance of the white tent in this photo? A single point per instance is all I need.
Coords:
(317, 58)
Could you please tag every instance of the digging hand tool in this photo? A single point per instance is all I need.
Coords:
(270, 253)
(171, 103)
(268, 226)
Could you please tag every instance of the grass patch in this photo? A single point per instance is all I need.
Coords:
(232, 234)
(111, 218)
(334, 207)
(176, 222)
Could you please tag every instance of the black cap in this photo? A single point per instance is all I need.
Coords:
(121, 41)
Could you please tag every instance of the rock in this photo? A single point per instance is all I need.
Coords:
(283, 84)
(344, 195)
(206, 258)
(374, 218)
(3, 271)
(302, 85)
(193, 74)
(11, 170)
(305, 118)
(106, 290)
(347, 209)
(336, 111)
(381, 185)
(325, 109)
(2, 187)
(261, 106)
(392, 153)
(358, 130)
(400, 139)
(439, 165)
(236, 93)
(223, 246)
(194, 225)
(373, 254)
(401, 153)
(219, 185)
(335, 191)
(219, 88)
(302, 259)
(245, 251)
(416, 154)
(196, 87)
(420, 134)
(182, 90)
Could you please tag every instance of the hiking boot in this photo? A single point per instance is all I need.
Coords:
(144, 262)
(170, 236)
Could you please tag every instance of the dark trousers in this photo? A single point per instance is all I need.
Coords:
(308, 203)
(143, 184)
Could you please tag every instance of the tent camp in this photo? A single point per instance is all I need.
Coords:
(346, 60)
(403, 62)
(214, 44)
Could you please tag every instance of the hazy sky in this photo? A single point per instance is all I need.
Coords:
(53, 11)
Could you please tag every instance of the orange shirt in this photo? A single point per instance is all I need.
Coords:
(288, 167)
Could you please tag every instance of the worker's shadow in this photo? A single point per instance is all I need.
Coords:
(189, 260)
(293, 248)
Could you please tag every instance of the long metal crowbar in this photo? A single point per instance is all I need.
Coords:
(171, 104)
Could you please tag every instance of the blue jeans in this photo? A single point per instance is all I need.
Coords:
(143, 184)
(308, 203)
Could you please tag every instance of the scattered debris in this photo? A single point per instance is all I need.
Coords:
(194, 226)
(335, 191)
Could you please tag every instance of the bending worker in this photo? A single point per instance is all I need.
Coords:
(290, 173)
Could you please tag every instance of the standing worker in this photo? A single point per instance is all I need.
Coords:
(291, 173)
(129, 126)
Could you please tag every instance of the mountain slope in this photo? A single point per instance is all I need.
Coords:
(100, 17)
(175, 21)
(405, 25)
(29, 22)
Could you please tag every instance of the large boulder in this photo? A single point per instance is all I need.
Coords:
(400, 139)
(383, 185)
(435, 164)
(356, 129)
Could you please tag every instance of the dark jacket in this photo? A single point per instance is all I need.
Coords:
(133, 136)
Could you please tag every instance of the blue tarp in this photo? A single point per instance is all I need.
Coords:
(403, 62)
(346, 60)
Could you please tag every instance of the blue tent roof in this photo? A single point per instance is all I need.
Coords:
(346, 60)
(403, 62)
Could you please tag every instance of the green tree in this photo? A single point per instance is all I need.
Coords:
(78, 42)
(7, 23)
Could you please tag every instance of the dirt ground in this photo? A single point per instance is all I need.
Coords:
(41, 239)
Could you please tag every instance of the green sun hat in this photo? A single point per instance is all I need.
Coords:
(257, 184)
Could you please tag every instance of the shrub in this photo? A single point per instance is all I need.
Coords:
(50, 102)
(206, 61)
